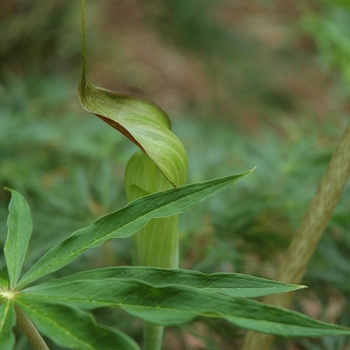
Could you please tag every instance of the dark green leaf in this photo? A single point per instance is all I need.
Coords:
(75, 329)
(126, 222)
(7, 322)
(174, 305)
(4, 279)
(233, 284)
(20, 227)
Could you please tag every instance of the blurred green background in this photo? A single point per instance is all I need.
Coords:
(246, 83)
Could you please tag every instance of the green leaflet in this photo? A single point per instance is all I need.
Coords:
(141, 121)
(72, 328)
(126, 222)
(171, 305)
(7, 322)
(4, 280)
(233, 284)
(20, 227)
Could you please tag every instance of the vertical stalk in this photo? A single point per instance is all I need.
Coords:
(305, 241)
(156, 244)
(29, 330)
(149, 128)
(153, 336)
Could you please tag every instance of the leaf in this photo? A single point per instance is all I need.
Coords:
(7, 322)
(20, 227)
(233, 284)
(126, 222)
(171, 305)
(4, 279)
(72, 328)
(141, 121)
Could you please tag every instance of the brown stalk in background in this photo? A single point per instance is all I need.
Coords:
(305, 241)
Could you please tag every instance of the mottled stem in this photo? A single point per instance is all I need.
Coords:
(27, 327)
(306, 239)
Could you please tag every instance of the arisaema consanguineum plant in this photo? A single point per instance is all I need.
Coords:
(154, 289)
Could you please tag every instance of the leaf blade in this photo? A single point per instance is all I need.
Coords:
(126, 222)
(4, 279)
(73, 328)
(20, 227)
(171, 305)
(7, 322)
(232, 284)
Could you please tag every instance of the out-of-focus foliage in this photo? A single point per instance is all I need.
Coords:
(331, 32)
(28, 35)
(246, 83)
(65, 163)
(191, 26)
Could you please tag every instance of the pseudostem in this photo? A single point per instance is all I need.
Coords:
(156, 244)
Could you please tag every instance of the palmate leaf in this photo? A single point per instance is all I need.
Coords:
(171, 305)
(75, 329)
(141, 121)
(20, 228)
(233, 284)
(7, 322)
(126, 222)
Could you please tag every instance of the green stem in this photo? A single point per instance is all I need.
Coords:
(29, 330)
(153, 336)
(157, 243)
